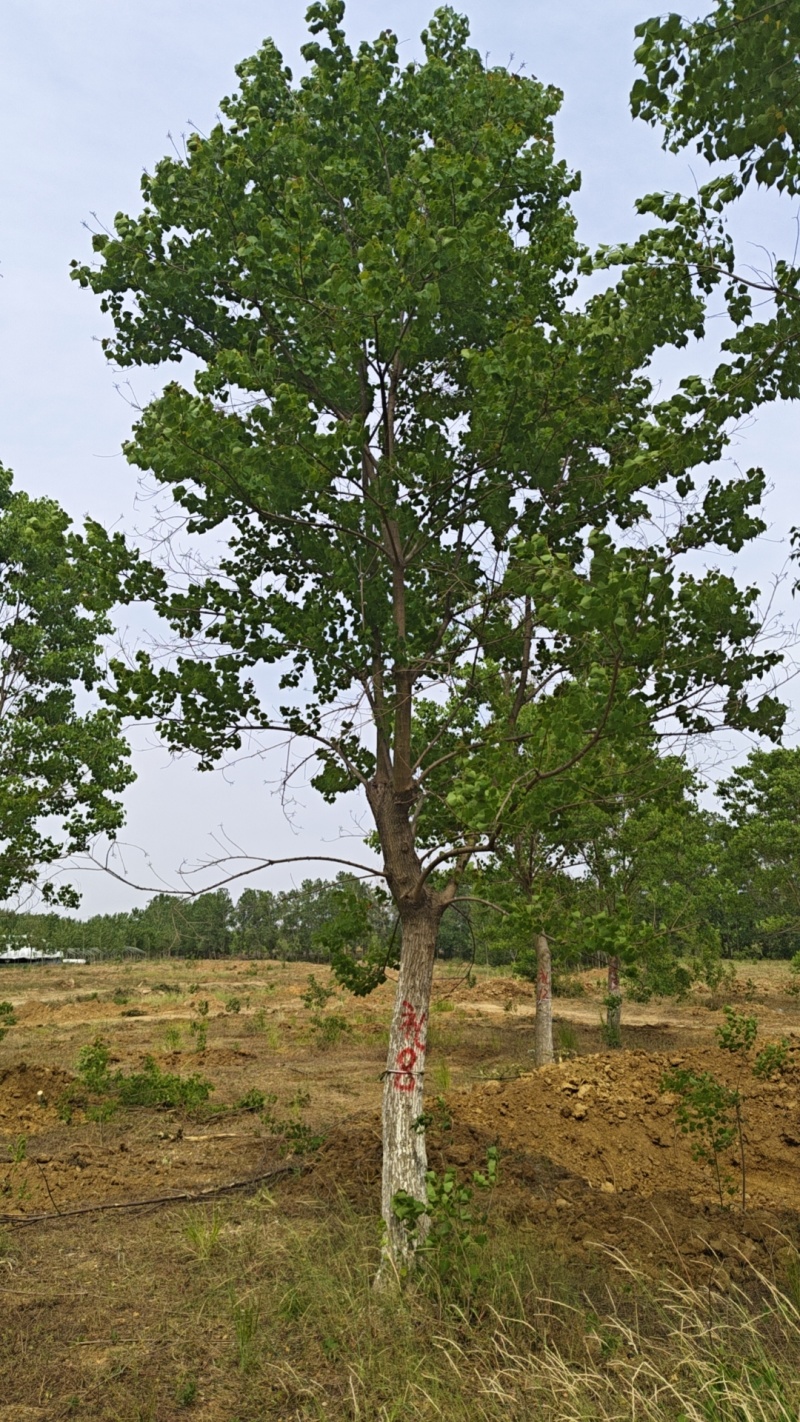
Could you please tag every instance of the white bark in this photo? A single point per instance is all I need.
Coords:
(405, 1161)
(543, 1028)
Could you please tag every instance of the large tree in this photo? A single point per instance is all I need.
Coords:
(412, 436)
(62, 763)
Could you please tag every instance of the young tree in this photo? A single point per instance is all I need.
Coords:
(412, 437)
(61, 768)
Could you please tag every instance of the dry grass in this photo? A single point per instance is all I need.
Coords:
(263, 1308)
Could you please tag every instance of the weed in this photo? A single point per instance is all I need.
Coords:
(172, 1039)
(442, 1004)
(455, 1232)
(738, 1032)
(609, 1027)
(149, 1087)
(201, 1232)
(7, 1018)
(442, 1077)
(315, 994)
(200, 1033)
(18, 1149)
(246, 1318)
(186, 1391)
(565, 986)
(330, 1029)
(233, 1004)
(253, 1100)
(120, 997)
(771, 1060)
(566, 1041)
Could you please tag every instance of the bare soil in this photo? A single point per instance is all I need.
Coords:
(591, 1156)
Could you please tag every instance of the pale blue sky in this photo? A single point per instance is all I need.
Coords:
(89, 92)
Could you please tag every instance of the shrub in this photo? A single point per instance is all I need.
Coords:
(149, 1087)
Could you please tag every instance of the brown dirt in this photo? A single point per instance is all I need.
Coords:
(590, 1157)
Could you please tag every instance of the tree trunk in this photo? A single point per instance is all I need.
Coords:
(543, 1029)
(614, 1004)
(405, 1161)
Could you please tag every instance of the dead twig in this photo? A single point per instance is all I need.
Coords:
(181, 1197)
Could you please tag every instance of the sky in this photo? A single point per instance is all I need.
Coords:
(90, 93)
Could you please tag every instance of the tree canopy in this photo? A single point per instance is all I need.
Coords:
(62, 764)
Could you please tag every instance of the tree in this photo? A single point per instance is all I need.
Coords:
(649, 856)
(61, 768)
(760, 861)
(413, 437)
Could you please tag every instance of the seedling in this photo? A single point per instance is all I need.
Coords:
(315, 994)
(710, 1112)
(771, 1060)
(455, 1232)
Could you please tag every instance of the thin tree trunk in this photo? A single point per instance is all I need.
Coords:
(543, 1029)
(614, 1004)
(405, 1161)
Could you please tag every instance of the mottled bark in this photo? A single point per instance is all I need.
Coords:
(543, 1029)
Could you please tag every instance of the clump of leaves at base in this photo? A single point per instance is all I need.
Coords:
(456, 1230)
(149, 1087)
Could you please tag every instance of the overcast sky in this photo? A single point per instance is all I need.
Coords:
(89, 93)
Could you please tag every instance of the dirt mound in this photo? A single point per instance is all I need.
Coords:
(667, 1232)
(605, 1119)
(29, 1097)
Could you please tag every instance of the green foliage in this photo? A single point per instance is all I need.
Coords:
(393, 483)
(707, 1111)
(7, 1018)
(455, 1232)
(149, 1087)
(727, 82)
(772, 1059)
(316, 995)
(738, 1032)
(62, 768)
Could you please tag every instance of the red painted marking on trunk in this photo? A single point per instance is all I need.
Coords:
(412, 1026)
(542, 985)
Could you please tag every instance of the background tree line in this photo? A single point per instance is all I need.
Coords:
(639, 868)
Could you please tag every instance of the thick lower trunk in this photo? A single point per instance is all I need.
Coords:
(405, 1160)
(614, 1004)
(543, 1029)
